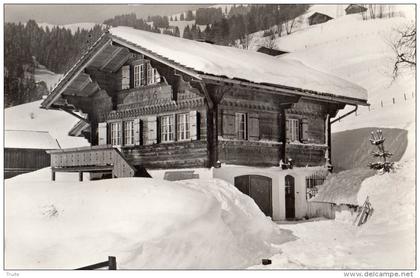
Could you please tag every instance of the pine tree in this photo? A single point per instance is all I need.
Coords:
(377, 139)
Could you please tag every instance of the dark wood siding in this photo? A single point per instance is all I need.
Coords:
(169, 155)
(19, 161)
(249, 153)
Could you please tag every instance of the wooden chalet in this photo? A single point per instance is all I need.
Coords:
(355, 9)
(317, 18)
(160, 102)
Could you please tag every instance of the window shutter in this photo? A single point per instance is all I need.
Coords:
(193, 125)
(237, 123)
(254, 127)
(137, 129)
(228, 124)
(151, 130)
(102, 134)
(288, 130)
(125, 77)
(304, 130)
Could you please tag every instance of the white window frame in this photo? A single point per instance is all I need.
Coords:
(242, 126)
(294, 129)
(128, 133)
(116, 139)
(183, 127)
(167, 128)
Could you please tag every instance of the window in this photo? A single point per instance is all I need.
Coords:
(241, 126)
(139, 76)
(294, 130)
(313, 182)
(116, 134)
(183, 126)
(167, 127)
(129, 133)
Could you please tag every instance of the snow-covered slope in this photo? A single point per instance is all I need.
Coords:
(145, 223)
(29, 116)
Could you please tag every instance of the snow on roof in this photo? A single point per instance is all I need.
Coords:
(29, 139)
(342, 188)
(238, 63)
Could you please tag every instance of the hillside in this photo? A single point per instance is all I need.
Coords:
(352, 148)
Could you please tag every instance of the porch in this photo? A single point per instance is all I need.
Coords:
(103, 159)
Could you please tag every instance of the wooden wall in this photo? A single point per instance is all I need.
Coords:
(311, 152)
(19, 161)
(169, 155)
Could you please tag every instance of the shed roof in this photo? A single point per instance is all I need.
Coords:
(342, 188)
(29, 139)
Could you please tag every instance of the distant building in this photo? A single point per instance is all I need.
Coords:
(25, 151)
(355, 9)
(318, 18)
(271, 51)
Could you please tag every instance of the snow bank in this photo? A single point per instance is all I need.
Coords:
(30, 116)
(145, 223)
(238, 63)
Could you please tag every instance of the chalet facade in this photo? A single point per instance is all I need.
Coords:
(159, 102)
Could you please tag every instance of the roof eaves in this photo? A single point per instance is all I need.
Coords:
(73, 72)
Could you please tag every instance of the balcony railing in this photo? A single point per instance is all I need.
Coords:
(91, 159)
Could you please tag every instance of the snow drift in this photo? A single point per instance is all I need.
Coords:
(145, 223)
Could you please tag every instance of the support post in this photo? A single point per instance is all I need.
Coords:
(52, 174)
(112, 263)
(80, 176)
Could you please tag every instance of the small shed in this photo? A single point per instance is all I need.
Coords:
(271, 51)
(317, 18)
(355, 9)
(25, 151)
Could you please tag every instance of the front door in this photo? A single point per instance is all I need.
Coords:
(290, 196)
(259, 189)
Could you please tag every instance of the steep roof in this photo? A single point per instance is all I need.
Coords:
(29, 139)
(205, 61)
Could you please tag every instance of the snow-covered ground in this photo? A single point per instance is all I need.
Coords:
(50, 78)
(145, 223)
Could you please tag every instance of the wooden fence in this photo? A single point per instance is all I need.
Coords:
(111, 264)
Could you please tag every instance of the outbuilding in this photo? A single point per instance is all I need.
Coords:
(25, 151)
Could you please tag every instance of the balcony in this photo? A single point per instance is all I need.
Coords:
(93, 159)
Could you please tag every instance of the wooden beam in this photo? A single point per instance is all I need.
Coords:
(122, 60)
(111, 57)
(74, 114)
(282, 90)
(74, 72)
(206, 94)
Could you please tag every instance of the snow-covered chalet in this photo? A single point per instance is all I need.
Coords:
(152, 101)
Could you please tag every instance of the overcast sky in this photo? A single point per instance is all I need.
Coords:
(65, 14)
